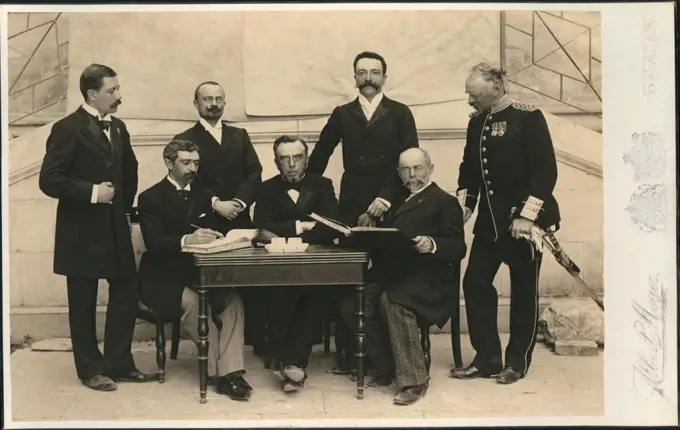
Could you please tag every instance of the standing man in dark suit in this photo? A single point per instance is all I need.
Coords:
(408, 285)
(231, 169)
(167, 211)
(374, 130)
(283, 204)
(91, 168)
(509, 159)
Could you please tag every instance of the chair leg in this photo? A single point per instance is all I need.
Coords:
(160, 350)
(425, 343)
(326, 335)
(174, 346)
(455, 337)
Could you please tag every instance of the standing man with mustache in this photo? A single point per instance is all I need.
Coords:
(91, 169)
(374, 130)
(231, 169)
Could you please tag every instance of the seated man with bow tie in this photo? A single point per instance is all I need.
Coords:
(406, 286)
(282, 205)
(167, 213)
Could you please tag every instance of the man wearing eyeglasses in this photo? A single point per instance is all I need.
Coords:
(231, 169)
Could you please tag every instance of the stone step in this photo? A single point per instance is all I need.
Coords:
(41, 323)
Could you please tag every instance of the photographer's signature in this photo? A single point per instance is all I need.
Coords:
(649, 371)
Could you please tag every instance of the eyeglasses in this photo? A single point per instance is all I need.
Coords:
(211, 99)
(418, 170)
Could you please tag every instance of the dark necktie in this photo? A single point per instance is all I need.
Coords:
(104, 125)
(184, 200)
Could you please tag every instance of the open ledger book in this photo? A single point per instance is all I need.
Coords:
(371, 238)
(235, 239)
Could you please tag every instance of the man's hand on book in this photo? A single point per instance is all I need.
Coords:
(202, 235)
(365, 220)
(423, 244)
(377, 208)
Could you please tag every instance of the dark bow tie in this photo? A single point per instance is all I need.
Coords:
(104, 125)
(297, 186)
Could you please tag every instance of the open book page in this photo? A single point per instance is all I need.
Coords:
(357, 229)
(334, 224)
(250, 233)
(219, 245)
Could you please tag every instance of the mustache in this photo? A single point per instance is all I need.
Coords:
(368, 84)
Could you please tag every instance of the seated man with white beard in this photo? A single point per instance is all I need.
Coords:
(411, 285)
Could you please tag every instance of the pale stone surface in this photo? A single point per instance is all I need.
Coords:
(576, 347)
(53, 345)
(555, 386)
(574, 319)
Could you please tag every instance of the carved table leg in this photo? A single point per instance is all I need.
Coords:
(360, 354)
(203, 341)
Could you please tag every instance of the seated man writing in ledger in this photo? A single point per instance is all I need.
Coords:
(168, 212)
(283, 202)
(411, 284)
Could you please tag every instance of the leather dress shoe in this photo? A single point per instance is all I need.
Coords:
(230, 387)
(136, 376)
(409, 395)
(244, 384)
(470, 372)
(508, 376)
(100, 383)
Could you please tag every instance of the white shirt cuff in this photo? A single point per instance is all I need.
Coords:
(95, 193)
(434, 245)
(214, 200)
(183, 241)
(385, 202)
(298, 228)
(242, 203)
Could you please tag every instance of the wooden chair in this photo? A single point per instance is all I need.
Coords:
(146, 314)
(455, 329)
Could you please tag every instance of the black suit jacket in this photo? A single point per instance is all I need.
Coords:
(426, 283)
(370, 153)
(231, 169)
(275, 210)
(91, 240)
(164, 269)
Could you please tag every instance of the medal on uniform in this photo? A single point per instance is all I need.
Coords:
(499, 128)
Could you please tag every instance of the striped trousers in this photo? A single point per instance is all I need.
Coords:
(392, 337)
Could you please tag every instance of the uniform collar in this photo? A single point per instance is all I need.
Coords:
(92, 111)
(501, 104)
(176, 185)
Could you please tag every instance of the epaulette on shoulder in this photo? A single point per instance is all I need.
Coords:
(524, 106)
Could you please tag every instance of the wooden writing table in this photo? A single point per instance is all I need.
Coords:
(318, 266)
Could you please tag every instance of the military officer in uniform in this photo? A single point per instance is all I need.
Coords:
(509, 172)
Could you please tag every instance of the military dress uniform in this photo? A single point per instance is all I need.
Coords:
(508, 170)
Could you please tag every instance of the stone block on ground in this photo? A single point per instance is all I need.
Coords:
(576, 347)
(572, 319)
(59, 344)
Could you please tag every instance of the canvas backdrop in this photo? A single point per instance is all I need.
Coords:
(278, 64)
